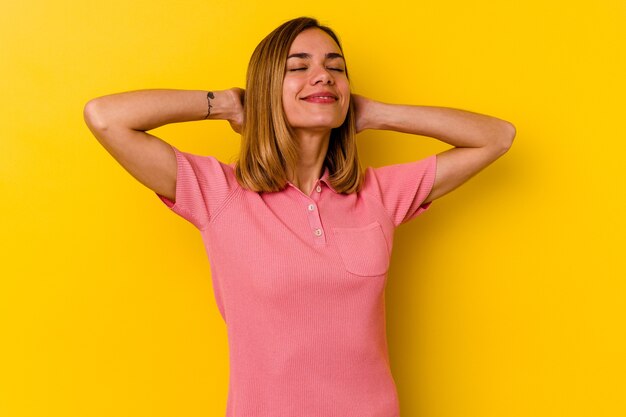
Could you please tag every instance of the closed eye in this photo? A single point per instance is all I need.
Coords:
(304, 68)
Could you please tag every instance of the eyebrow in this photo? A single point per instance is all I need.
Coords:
(305, 55)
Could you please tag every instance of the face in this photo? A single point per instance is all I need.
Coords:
(316, 91)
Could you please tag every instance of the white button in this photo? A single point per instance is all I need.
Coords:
(318, 188)
(311, 207)
(318, 232)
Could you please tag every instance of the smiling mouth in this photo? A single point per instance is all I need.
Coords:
(326, 98)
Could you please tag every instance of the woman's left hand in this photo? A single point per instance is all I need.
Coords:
(363, 112)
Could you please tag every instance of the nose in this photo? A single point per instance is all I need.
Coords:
(322, 75)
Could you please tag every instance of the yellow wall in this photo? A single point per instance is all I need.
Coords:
(505, 299)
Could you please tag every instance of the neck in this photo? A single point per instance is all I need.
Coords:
(312, 152)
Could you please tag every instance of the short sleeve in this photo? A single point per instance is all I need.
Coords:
(402, 188)
(203, 184)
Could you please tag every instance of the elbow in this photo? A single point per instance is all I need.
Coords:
(91, 117)
(504, 140)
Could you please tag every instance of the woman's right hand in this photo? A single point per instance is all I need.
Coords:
(236, 117)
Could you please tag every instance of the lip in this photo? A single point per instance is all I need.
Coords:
(321, 97)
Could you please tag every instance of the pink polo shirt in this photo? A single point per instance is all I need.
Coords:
(299, 281)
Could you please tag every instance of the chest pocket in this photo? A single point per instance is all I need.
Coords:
(363, 249)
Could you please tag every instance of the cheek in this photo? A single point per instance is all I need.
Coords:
(289, 92)
(289, 106)
(344, 88)
(290, 87)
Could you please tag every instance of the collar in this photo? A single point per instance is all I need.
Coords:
(325, 178)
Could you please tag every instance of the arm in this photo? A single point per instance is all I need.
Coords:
(120, 121)
(478, 139)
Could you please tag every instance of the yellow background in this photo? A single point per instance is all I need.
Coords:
(505, 299)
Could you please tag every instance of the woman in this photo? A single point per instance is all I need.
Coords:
(298, 237)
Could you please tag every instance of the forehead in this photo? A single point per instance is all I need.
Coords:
(314, 40)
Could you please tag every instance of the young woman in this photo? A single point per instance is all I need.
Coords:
(298, 236)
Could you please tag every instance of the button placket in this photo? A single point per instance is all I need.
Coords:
(314, 216)
(312, 212)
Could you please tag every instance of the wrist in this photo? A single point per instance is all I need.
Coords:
(376, 115)
(219, 105)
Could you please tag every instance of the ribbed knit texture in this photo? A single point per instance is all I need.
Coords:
(299, 281)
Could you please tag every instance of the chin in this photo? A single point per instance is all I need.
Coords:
(322, 124)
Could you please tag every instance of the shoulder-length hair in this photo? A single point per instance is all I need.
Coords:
(268, 145)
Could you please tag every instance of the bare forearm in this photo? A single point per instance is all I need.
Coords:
(148, 109)
(477, 139)
(459, 128)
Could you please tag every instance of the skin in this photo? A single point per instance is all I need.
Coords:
(478, 140)
(315, 68)
(120, 122)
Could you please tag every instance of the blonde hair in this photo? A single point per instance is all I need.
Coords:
(268, 147)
